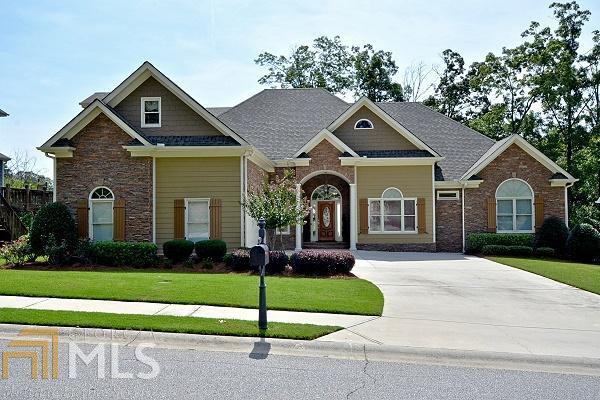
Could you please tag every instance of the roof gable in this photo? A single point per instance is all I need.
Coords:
(331, 138)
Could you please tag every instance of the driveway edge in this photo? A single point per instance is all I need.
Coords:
(260, 348)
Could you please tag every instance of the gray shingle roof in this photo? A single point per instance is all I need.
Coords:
(393, 153)
(193, 140)
(88, 100)
(280, 121)
(216, 111)
(3, 157)
(461, 146)
(3, 114)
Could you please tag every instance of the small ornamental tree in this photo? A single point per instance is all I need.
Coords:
(276, 202)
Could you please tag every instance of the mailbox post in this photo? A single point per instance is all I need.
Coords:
(259, 257)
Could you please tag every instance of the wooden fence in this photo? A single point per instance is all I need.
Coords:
(26, 199)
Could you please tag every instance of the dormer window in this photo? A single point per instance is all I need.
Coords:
(363, 124)
(151, 114)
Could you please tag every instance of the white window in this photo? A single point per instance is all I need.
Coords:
(101, 214)
(151, 113)
(514, 206)
(363, 124)
(392, 213)
(447, 195)
(197, 219)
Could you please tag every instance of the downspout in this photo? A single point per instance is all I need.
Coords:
(54, 175)
(462, 199)
(154, 200)
(567, 186)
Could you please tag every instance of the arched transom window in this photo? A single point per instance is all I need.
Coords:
(326, 192)
(392, 213)
(363, 124)
(514, 206)
(101, 214)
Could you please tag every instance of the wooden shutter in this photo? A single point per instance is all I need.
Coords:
(421, 215)
(119, 220)
(364, 215)
(491, 215)
(215, 219)
(179, 219)
(539, 211)
(83, 219)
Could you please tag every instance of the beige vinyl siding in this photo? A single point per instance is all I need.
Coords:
(413, 181)
(180, 178)
(381, 137)
(176, 117)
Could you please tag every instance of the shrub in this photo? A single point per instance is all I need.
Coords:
(584, 243)
(178, 250)
(238, 260)
(322, 263)
(544, 252)
(17, 252)
(553, 233)
(207, 263)
(476, 241)
(214, 249)
(58, 252)
(130, 254)
(52, 225)
(500, 250)
(278, 260)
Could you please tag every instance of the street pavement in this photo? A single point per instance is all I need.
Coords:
(193, 374)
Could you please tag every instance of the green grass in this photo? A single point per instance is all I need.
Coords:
(346, 296)
(162, 323)
(583, 276)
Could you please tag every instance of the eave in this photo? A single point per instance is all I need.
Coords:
(363, 161)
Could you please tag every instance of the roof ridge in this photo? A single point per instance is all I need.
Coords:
(240, 103)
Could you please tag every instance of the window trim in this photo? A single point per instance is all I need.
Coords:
(455, 192)
(364, 119)
(402, 199)
(91, 213)
(514, 205)
(194, 199)
(143, 112)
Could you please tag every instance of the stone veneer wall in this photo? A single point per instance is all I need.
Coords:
(513, 163)
(100, 160)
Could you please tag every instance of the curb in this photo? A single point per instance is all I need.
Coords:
(261, 348)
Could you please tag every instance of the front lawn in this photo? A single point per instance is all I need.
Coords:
(162, 323)
(583, 276)
(333, 295)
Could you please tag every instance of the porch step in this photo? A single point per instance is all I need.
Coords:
(326, 245)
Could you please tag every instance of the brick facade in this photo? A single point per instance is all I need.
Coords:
(448, 218)
(100, 160)
(512, 163)
(256, 176)
(325, 156)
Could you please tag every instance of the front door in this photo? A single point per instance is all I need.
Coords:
(326, 221)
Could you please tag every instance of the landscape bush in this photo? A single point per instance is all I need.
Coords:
(583, 243)
(553, 233)
(278, 260)
(52, 228)
(178, 250)
(322, 262)
(213, 249)
(476, 241)
(238, 260)
(544, 252)
(501, 250)
(126, 254)
(17, 252)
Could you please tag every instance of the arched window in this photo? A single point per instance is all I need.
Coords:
(101, 214)
(326, 192)
(363, 124)
(514, 206)
(392, 213)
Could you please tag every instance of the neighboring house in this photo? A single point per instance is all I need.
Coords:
(3, 159)
(147, 162)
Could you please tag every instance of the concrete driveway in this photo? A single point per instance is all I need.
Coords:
(453, 301)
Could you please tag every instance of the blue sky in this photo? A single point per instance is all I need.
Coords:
(53, 54)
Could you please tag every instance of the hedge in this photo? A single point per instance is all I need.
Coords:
(178, 250)
(500, 250)
(128, 254)
(238, 260)
(544, 252)
(278, 260)
(213, 249)
(476, 241)
(553, 234)
(322, 262)
(52, 226)
(584, 243)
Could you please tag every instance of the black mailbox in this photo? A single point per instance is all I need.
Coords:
(259, 255)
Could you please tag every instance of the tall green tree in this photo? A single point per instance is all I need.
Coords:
(374, 75)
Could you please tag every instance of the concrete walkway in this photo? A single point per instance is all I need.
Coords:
(451, 301)
(179, 310)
